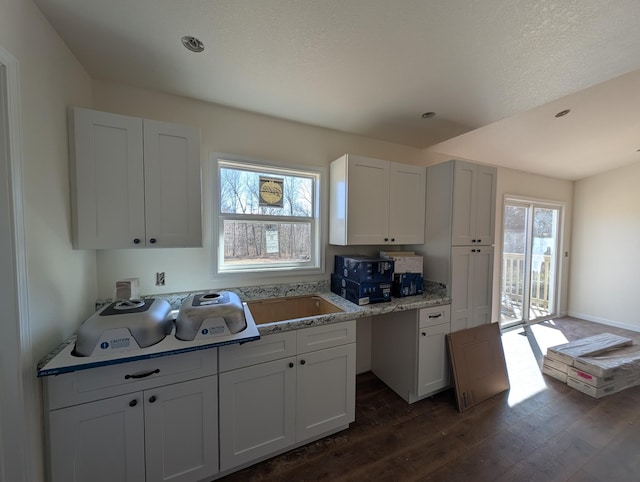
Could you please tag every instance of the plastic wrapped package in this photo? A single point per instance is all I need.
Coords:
(590, 346)
(623, 362)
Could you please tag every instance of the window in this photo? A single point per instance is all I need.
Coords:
(267, 217)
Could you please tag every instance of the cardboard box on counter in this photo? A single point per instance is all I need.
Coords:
(407, 284)
(364, 269)
(360, 293)
(404, 261)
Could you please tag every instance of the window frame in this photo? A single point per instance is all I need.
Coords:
(258, 270)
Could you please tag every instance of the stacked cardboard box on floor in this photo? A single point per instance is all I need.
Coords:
(598, 365)
(407, 273)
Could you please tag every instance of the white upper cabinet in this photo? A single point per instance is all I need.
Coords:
(135, 182)
(375, 202)
(474, 204)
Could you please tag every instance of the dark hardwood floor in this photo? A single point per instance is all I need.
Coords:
(540, 430)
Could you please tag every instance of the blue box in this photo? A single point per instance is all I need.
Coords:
(360, 293)
(364, 269)
(407, 284)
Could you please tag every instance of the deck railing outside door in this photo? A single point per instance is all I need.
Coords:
(513, 273)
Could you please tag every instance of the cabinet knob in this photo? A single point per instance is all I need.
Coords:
(386, 239)
(136, 241)
(478, 240)
(152, 240)
(290, 364)
(152, 398)
(424, 334)
(133, 403)
(393, 239)
(302, 362)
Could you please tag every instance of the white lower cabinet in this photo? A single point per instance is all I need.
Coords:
(257, 411)
(409, 351)
(280, 401)
(176, 419)
(326, 390)
(154, 432)
(99, 441)
(181, 431)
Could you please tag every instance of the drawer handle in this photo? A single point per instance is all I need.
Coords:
(142, 375)
(435, 316)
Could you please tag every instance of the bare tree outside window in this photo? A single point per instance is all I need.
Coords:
(258, 236)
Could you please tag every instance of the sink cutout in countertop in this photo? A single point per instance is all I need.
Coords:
(290, 308)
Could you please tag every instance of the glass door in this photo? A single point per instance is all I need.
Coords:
(530, 250)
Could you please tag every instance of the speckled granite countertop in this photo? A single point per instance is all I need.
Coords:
(435, 295)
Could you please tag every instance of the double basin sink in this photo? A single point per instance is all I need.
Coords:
(290, 308)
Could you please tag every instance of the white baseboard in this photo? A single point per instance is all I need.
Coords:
(604, 321)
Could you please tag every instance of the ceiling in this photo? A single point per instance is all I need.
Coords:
(495, 72)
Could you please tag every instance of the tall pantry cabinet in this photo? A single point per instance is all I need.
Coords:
(460, 226)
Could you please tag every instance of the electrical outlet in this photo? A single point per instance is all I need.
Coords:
(160, 279)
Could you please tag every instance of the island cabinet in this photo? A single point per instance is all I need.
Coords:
(374, 202)
(131, 422)
(135, 182)
(408, 351)
(284, 390)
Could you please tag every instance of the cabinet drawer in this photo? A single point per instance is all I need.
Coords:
(267, 348)
(436, 315)
(109, 381)
(326, 336)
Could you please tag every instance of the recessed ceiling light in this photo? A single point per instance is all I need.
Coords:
(428, 115)
(192, 43)
(563, 113)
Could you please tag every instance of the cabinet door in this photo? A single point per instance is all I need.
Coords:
(463, 211)
(257, 411)
(100, 441)
(485, 205)
(461, 287)
(482, 285)
(407, 185)
(367, 187)
(326, 382)
(433, 363)
(181, 431)
(107, 180)
(471, 286)
(172, 185)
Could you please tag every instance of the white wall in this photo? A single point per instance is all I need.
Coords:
(606, 261)
(61, 282)
(234, 132)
